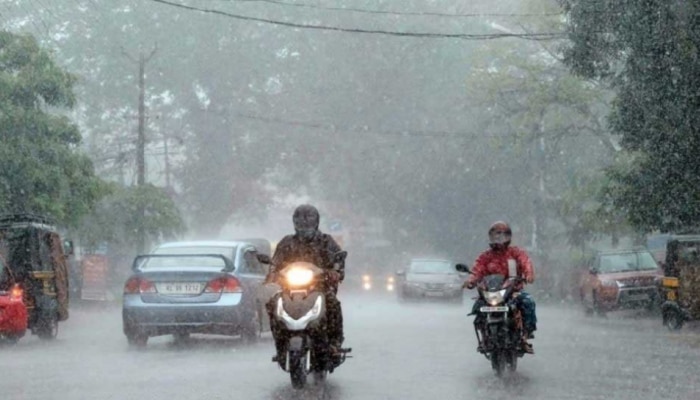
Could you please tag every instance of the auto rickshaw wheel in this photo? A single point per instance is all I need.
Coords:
(9, 339)
(47, 328)
(673, 320)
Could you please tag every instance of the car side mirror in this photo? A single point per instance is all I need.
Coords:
(264, 258)
(68, 247)
(462, 268)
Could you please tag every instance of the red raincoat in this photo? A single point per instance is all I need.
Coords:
(496, 262)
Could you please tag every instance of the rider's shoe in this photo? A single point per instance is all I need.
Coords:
(335, 347)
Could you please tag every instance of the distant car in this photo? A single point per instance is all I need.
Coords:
(211, 287)
(377, 283)
(430, 278)
(618, 279)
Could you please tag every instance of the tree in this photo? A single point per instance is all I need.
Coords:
(41, 167)
(116, 219)
(648, 51)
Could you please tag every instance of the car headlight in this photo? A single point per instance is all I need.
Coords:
(609, 283)
(299, 276)
(494, 298)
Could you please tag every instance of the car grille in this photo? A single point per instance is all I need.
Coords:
(635, 295)
(638, 282)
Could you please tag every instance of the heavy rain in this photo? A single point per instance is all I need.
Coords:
(154, 155)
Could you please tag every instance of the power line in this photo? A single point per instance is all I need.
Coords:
(430, 35)
(422, 13)
(355, 129)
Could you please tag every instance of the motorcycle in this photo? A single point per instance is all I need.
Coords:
(502, 335)
(299, 307)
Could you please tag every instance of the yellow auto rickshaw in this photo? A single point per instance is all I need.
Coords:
(36, 258)
(680, 285)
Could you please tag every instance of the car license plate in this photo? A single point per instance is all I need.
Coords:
(179, 288)
(638, 297)
(434, 294)
(494, 309)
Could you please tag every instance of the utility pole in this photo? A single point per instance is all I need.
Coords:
(141, 142)
(167, 161)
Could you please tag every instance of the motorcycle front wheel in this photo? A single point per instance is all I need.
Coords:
(512, 361)
(297, 369)
(498, 362)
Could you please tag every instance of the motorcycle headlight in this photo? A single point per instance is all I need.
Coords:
(298, 276)
(494, 298)
(390, 279)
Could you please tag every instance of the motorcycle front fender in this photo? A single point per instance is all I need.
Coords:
(301, 320)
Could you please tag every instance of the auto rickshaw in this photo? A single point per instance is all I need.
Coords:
(680, 285)
(36, 259)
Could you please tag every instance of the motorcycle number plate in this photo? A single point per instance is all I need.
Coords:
(494, 309)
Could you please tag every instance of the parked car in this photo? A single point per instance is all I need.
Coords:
(211, 287)
(430, 278)
(618, 279)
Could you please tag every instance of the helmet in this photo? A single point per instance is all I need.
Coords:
(499, 235)
(306, 220)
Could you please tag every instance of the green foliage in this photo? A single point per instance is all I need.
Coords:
(41, 169)
(116, 219)
(649, 52)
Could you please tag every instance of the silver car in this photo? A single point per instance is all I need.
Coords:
(430, 278)
(181, 288)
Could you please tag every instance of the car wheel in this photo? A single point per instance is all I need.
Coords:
(137, 339)
(587, 310)
(597, 307)
(253, 328)
(181, 337)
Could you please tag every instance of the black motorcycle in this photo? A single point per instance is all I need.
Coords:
(299, 307)
(500, 331)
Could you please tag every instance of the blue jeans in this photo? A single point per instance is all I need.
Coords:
(527, 307)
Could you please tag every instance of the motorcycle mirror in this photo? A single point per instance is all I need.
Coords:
(264, 258)
(462, 268)
(339, 257)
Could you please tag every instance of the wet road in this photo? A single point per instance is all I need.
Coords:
(401, 351)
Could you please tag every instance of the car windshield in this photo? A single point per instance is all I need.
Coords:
(627, 262)
(431, 267)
